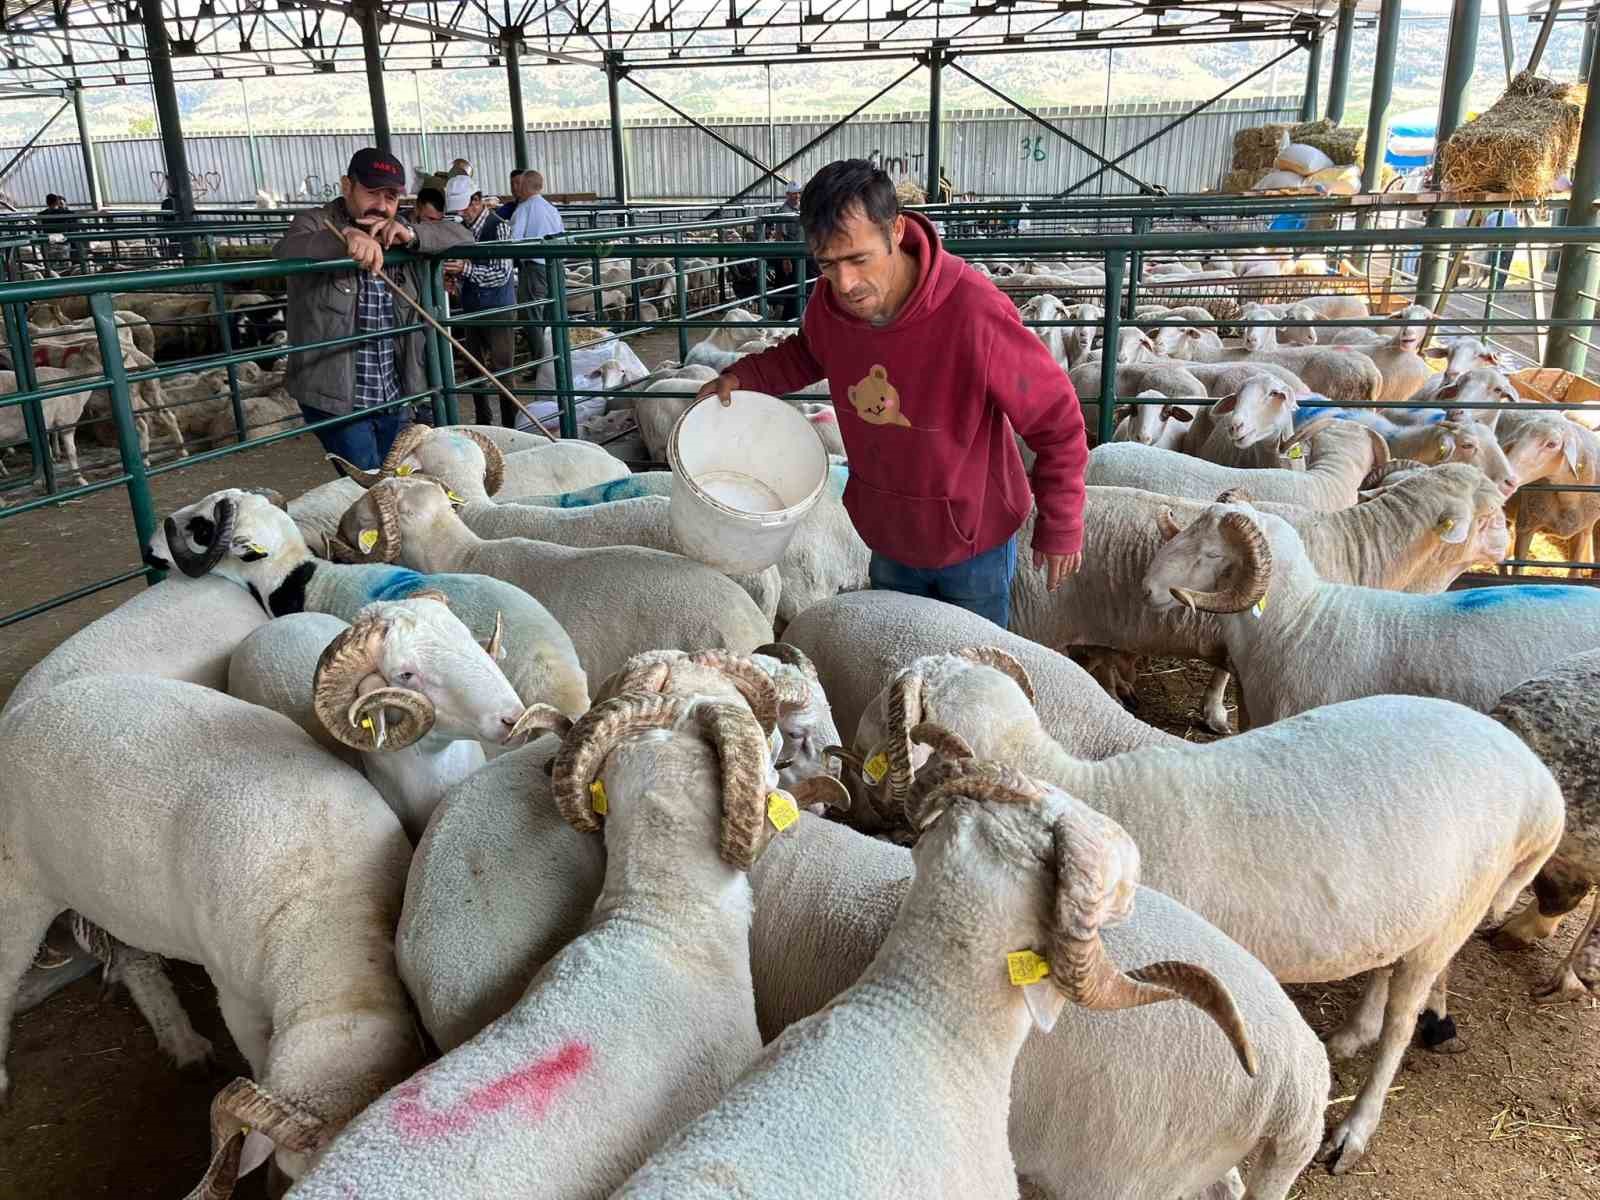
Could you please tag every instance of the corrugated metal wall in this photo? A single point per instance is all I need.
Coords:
(994, 153)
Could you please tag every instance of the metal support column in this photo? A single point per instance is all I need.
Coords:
(1460, 57)
(372, 51)
(1579, 274)
(250, 137)
(1308, 101)
(1382, 94)
(1339, 81)
(519, 120)
(1586, 55)
(165, 88)
(422, 118)
(936, 57)
(90, 175)
(619, 161)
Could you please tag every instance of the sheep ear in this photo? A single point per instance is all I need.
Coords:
(1444, 448)
(1454, 529)
(1225, 404)
(1173, 413)
(1434, 352)
(1570, 450)
(1045, 1002)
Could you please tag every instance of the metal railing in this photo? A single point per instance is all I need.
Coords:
(666, 293)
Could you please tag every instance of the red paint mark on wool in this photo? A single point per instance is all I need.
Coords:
(529, 1089)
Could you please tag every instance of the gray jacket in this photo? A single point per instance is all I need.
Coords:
(323, 306)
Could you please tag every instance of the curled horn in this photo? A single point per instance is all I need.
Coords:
(223, 514)
(1305, 433)
(494, 461)
(406, 441)
(1097, 871)
(349, 661)
(1235, 495)
(1379, 475)
(846, 758)
(385, 508)
(1244, 536)
(361, 475)
(1006, 664)
(495, 646)
(792, 655)
(1380, 448)
(905, 714)
(754, 684)
(741, 750)
(1168, 527)
(821, 790)
(271, 495)
(952, 778)
(243, 1106)
(537, 719)
(946, 743)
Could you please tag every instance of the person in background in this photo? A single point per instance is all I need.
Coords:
(459, 167)
(484, 285)
(947, 188)
(781, 273)
(518, 195)
(933, 377)
(430, 204)
(362, 376)
(535, 217)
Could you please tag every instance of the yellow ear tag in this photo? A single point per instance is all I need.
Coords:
(1297, 450)
(367, 540)
(404, 469)
(1259, 607)
(597, 796)
(876, 767)
(255, 548)
(452, 497)
(781, 810)
(1446, 525)
(1024, 967)
(366, 723)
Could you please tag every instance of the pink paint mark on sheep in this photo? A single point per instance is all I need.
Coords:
(530, 1090)
(825, 417)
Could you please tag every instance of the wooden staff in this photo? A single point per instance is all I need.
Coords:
(465, 353)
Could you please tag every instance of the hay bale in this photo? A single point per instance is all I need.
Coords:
(1236, 182)
(1256, 148)
(908, 191)
(584, 335)
(1524, 141)
(1344, 145)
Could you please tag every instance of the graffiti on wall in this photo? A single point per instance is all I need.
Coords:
(201, 183)
(898, 166)
(1033, 148)
(314, 187)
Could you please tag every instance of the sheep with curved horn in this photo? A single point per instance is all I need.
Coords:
(1000, 928)
(641, 1020)
(1451, 818)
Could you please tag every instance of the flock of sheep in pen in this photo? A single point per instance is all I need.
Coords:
(686, 910)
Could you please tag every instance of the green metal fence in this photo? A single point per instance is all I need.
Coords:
(681, 281)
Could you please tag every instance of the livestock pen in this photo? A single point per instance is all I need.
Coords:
(1502, 1119)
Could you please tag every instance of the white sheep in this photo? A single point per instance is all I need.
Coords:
(1463, 441)
(471, 467)
(246, 539)
(1297, 642)
(1153, 424)
(1342, 455)
(1343, 375)
(61, 414)
(444, 698)
(670, 602)
(1558, 714)
(280, 871)
(1539, 445)
(1571, 516)
(519, 1100)
(1390, 541)
(1449, 819)
(478, 924)
(926, 1039)
(1253, 427)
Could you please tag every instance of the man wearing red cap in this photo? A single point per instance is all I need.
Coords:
(366, 378)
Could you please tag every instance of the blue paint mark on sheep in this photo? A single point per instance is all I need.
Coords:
(1480, 599)
(395, 584)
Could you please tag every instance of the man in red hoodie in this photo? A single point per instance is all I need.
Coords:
(931, 371)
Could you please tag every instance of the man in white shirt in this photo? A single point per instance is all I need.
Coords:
(535, 217)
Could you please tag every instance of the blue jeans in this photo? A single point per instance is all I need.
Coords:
(363, 441)
(981, 585)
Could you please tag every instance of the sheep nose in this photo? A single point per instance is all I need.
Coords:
(1508, 486)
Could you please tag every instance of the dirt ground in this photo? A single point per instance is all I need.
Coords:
(97, 1112)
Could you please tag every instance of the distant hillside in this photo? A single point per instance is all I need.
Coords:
(574, 93)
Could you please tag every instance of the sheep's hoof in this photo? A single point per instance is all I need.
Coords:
(1566, 989)
(1439, 1033)
(1342, 1150)
(193, 1054)
(1218, 723)
(1504, 939)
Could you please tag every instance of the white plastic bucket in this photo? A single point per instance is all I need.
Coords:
(742, 477)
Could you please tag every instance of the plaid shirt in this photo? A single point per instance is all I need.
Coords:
(377, 373)
(494, 272)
